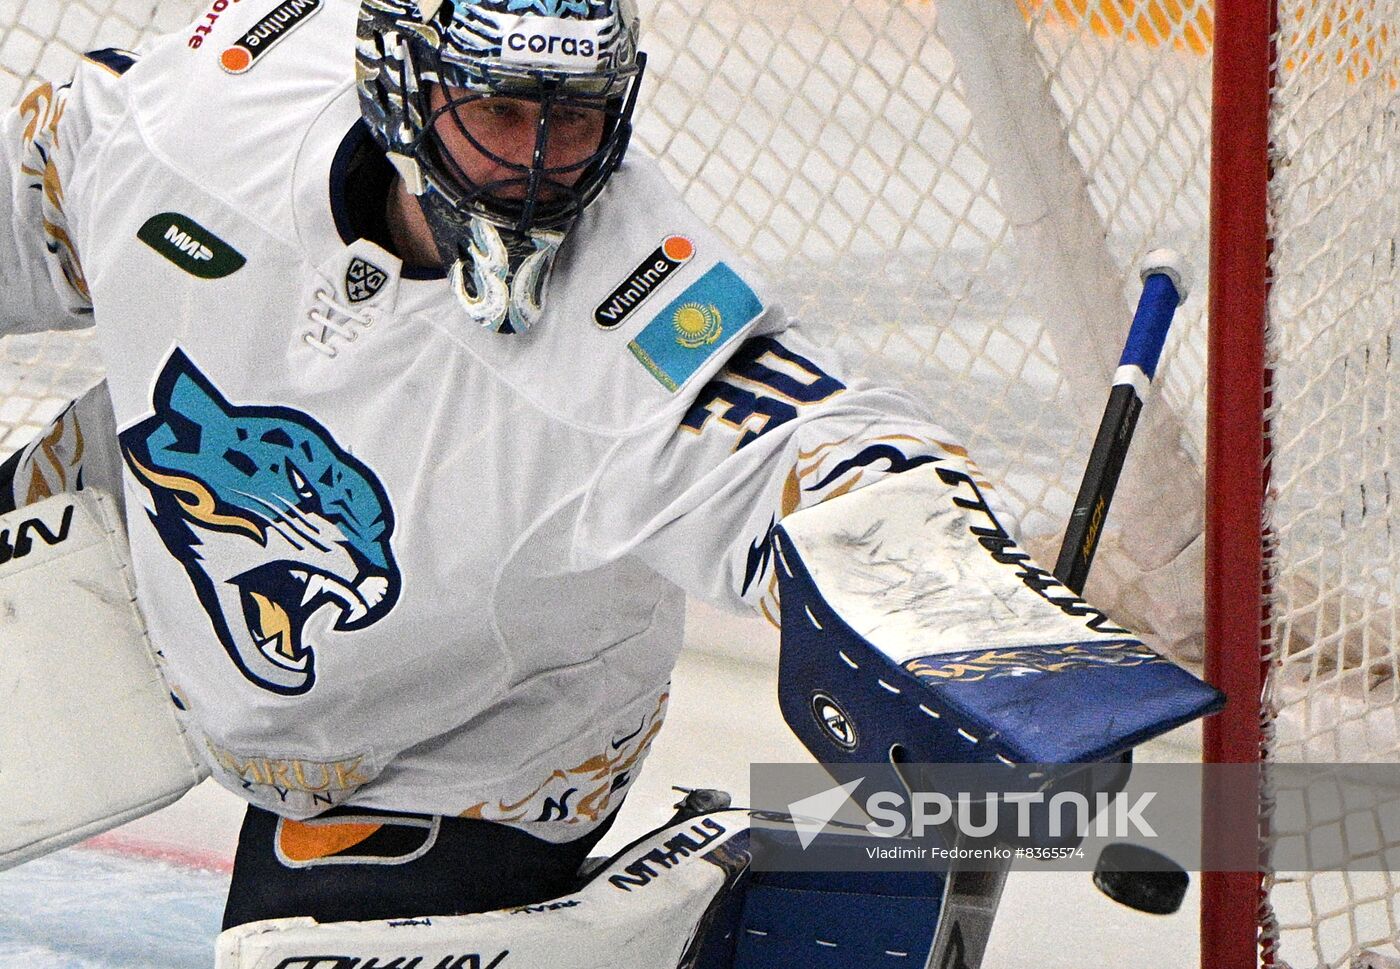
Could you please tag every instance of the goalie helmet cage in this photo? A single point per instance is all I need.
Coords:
(957, 192)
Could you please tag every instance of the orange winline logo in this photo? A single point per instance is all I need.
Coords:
(285, 17)
(656, 268)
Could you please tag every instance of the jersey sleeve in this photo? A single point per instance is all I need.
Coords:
(47, 145)
(782, 426)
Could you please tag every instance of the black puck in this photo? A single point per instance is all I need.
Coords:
(700, 801)
(1141, 878)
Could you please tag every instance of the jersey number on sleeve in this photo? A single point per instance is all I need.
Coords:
(760, 389)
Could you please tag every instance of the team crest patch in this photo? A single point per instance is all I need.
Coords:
(655, 269)
(271, 518)
(697, 323)
(283, 19)
(363, 280)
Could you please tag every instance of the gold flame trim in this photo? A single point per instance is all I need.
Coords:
(993, 663)
(597, 771)
(195, 499)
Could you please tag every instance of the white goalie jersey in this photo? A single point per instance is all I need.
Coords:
(390, 559)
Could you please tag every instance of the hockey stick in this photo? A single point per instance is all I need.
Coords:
(1131, 875)
(1163, 290)
(971, 897)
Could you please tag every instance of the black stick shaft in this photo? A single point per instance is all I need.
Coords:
(1135, 371)
(1096, 490)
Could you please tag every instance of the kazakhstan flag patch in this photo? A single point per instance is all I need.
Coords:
(696, 324)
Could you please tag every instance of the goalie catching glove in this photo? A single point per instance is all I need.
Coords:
(75, 662)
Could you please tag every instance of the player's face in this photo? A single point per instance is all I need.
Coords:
(492, 140)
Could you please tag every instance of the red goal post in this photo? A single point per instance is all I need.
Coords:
(1300, 612)
(1236, 465)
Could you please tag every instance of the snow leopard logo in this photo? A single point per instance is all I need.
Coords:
(271, 518)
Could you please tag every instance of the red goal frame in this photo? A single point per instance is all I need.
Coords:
(1236, 611)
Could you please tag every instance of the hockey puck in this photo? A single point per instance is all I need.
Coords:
(1141, 878)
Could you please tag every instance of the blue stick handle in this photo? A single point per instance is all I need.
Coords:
(1163, 290)
(1150, 324)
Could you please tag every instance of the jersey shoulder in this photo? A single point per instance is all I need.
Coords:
(646, 302)
(226, 101)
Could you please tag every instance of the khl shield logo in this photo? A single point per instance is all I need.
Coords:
(363, 279)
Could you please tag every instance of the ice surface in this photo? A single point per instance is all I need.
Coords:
(88, 909)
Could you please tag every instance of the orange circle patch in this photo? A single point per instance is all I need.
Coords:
(236, 60)
(678, 248)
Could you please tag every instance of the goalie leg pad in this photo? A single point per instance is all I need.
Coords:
(89, 738)
(647, 909)
(682, 896)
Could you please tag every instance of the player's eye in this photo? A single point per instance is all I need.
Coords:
(496, 111)
(575, 117)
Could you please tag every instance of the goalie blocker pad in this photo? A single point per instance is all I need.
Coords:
(683, 896)
(913, 627)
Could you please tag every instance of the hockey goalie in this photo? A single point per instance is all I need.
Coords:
(427, 404)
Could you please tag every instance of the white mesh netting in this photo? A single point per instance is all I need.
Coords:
(1333, 311)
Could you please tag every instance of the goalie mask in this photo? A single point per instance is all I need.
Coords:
(505, 118)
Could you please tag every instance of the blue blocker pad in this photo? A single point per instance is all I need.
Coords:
(1043, 677)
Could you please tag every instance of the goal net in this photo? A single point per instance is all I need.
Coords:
(1306, 222)
(957, 193)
